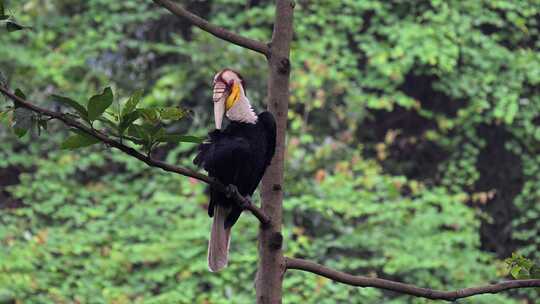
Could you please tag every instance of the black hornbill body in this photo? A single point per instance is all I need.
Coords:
(237, 155)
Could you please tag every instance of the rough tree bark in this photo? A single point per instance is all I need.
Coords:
(271, 261)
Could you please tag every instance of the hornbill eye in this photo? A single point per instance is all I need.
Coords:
(223, 87)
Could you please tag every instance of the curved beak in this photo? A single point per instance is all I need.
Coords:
(224, 99)
(219, 102)
(219, 112)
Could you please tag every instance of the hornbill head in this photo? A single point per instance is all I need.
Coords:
(228, 88)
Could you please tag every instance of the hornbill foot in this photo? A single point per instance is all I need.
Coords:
(246, 202)
(231, 191)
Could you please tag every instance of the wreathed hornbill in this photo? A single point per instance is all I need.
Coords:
(237, 155)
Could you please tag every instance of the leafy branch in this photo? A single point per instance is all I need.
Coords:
(146, 134)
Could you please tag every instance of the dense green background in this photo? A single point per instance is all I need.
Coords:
(412, 152)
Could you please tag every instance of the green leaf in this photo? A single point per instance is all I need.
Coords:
(139, 132)
(79, 140)
(22, 121)
(3, 115)
(111, 114)
(42, 124)
(172, 113)
(523, 274)
(515, 271)
(525, 263)
(132, 102)
(175, 138)
(108, 122)
(20, 132)
(13, 26)
(150, 115)
(156, 133)
(5, 118)
(19, 93)
(128, 120)
(97, 104)
(535, 272)
(153, 130)
(72, 104)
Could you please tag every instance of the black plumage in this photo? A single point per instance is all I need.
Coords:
(238, 155)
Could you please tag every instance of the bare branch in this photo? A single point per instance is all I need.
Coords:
(240, 200)
(362, 281)
(217, 31)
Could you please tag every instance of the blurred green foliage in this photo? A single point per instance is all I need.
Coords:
(412, 151)
(522, 268)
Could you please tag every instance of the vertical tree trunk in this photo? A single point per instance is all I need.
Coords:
(271, 261)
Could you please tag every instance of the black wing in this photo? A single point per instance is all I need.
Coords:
(239, 155)
(269, 123)
(263, 149)
(224, 156)
(221, 151)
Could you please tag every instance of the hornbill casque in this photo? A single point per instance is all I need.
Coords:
(237, 155)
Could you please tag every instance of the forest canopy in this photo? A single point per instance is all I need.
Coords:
(411, 152)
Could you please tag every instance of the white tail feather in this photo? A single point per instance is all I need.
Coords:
(218, 246)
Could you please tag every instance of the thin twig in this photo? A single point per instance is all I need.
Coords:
(215, 30)
(239, 199)
(362, 281)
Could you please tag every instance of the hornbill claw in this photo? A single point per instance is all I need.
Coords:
(232, 192)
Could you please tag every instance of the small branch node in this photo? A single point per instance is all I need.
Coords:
(284, 66)
(276, 241)
(276, 187)
(269, 50)
(283, 267)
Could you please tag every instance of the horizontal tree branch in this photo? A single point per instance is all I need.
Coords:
(362, 281)
(217, 31)
(240, 200)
